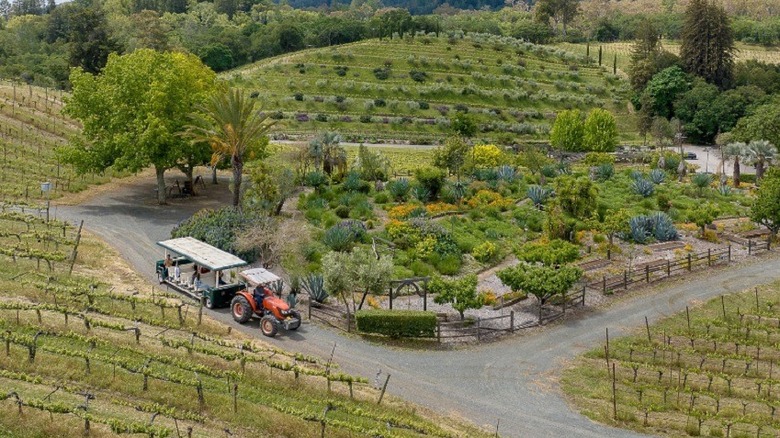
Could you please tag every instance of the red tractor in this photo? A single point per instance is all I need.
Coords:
(259, 301)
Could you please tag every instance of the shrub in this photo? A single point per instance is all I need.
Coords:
(460, 293)
(484, 251)
(701, 181)
(657, 225)
(217, 228)
(298, 97)
(643, 187)
(418, 75)
(657, 176)
(605, 171)
(448, 264)
(321, 117)
(382, 73)
(382, 197)
(423, 105)
(338, 238)
(549, 170)
(421, 193)
(538, 195)
(316, 179)
(598, 158)
(399, 189)
(556, 252)
(314, 285)
(341, 70)
(485, 156)
(397, 323)
(431, 179)
(365, 118)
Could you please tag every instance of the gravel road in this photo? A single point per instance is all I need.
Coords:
(514, 379)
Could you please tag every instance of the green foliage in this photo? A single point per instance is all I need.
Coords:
(399, 189)
(218, 228)
(552, 253)
(358, 270)
(451, 155)
(598, 158)
(766, 208)
(643, 187)
(568, 131)
(463, 125)
(762, 124)
(431, 179)
(342, 236)
(397, 323)
(314, 285)
(657, 176)
(664, 88)
(372, 165)
(703, 215)
(658, 226)
(605, 171)
(616, 223)
(600, 131)
(484, 252)
(533, 159)
(576, 196)
(156, 93)
(707, 47)
(701, 181)
(460, 293)
(543, 282)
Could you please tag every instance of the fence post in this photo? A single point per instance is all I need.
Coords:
(604, 284)
(729, 253)
(750, 247)
(647, 273)
(668, 268)
(689, 262)
(438, 330)
(769, 242)
(709, 257)
(625, 280)
(512, 321)
(583, 294)
(478, 331)
(349, 322)
(309, 301)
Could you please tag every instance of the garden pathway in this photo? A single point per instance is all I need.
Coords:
(513, 379)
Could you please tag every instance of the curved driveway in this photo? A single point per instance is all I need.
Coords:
(514, 379)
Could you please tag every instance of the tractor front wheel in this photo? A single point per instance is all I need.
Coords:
(268, 326)
(296, 315)
(240, 309)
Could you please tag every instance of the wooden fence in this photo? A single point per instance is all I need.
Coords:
(660, 269)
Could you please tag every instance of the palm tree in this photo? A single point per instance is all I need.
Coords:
(734, 150)
(325, 149)
(230, 123)
(760, 153)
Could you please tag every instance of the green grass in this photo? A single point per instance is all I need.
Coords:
(511, 88)
(713, 377)
(31, 128)
(46, 310)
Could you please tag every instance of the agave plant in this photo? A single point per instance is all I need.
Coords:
(643, 187)
(549, 171)
(605, 171)
(399, 189)
(724, 190)
(663, 227)
(338, 238)
(657, 176)
(507, 173)
(636, 175)
(420, 193)
(277, 287)
(639, 227)
(538, 195)
(488, 175)
(701, 181)
(314, 285)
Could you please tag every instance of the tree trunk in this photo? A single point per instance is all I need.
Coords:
(238, 170)
(759, 170)
(188, 171)
(161, 198)
(214, 174)
(735, 176)
(279, 206)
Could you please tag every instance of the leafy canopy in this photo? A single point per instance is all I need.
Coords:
(567, 131)
(600, 131)
(461, 293)
(766, 208)
(543, 282)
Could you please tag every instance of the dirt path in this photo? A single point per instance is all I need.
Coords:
(514, 380)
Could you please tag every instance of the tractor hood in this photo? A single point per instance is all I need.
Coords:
(276, 302)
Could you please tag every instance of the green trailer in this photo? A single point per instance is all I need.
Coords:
(200, 271)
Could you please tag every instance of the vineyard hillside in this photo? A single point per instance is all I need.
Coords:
(103, 353)
(31, 128)
(410, 89)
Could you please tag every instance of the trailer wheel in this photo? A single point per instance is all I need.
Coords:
(240, 309)
(160, 278)
(209, 303)
(268, 326)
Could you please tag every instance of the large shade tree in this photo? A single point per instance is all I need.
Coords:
(766, 208)
(133, 111)
(707, 48)
(232, 124)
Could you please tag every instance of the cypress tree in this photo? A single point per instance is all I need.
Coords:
(707, 48)
(643, 55)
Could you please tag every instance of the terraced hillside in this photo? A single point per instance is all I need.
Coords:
(410, 89)
(31, 127)
(101, 351)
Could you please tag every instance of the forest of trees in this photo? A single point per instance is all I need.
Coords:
(41, 41)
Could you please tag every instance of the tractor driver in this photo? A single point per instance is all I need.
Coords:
(260, 293)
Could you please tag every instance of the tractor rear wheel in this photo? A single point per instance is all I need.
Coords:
(240, 309)
(268, 326)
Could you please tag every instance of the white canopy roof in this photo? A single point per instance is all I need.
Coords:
(257, 276)
(202, 253)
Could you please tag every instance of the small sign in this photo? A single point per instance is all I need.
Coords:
(45, 186)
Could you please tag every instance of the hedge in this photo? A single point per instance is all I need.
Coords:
(397, 323)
